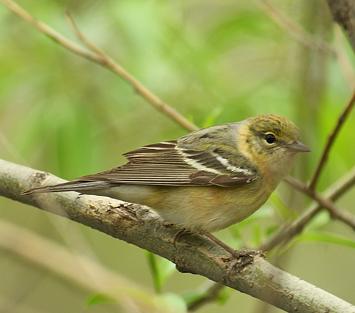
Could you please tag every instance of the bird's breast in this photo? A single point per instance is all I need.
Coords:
(209, 208)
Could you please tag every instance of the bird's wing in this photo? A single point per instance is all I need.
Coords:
(169, 163)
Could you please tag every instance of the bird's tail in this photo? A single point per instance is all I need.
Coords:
(75, 185)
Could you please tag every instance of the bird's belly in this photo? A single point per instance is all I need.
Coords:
(200, 208)
(212, 208)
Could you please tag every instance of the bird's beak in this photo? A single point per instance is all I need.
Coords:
(298, 146)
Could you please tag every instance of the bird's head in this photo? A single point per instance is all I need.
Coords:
(271, 141)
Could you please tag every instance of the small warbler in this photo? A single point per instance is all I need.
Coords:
(206, 180)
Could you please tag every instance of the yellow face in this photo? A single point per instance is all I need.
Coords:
(272, 132)
(271, 141)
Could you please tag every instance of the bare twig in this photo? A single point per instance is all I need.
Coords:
(49, 32)
(289, 231)
(331, 139)
(96, 55)
(334, 212)
(138, 225)
(88, 44)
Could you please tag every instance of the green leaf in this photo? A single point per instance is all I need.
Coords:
(326, 237)
(99, 298)
(161, 269)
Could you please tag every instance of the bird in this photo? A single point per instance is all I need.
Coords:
(206, 180)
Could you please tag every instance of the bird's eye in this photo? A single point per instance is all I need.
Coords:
(270, 138)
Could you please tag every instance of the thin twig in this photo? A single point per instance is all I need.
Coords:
(334, 212)
(290, 230)
(88, 44)
(96, 55)
(331, 139)
(49, 32)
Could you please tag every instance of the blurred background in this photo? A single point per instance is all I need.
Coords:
(215, 62)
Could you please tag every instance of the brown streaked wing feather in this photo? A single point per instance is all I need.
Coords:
(162, 165)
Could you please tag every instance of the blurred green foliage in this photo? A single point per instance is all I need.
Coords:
(161, 270)
(215, 62)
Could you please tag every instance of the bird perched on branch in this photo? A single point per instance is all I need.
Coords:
(206, 180)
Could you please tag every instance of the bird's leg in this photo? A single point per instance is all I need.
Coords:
(235, 253)
(220, 243)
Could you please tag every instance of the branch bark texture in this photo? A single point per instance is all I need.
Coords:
(138, 225)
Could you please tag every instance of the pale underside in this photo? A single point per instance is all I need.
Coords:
(197, 208)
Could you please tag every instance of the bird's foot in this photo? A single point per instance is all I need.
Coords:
(238, 260)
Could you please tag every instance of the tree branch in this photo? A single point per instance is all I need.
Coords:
(138, 225)
(97, 56)
(331, 139)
